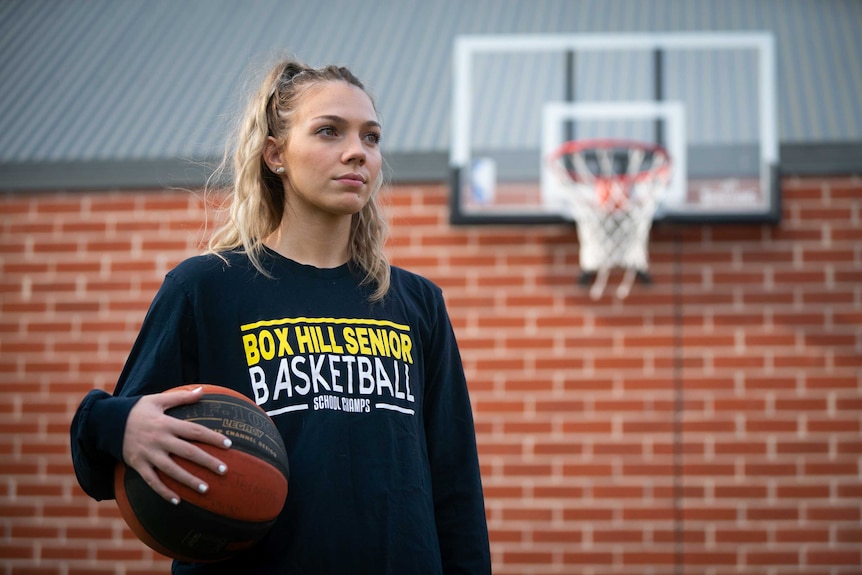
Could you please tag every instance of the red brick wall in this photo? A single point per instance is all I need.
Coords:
(710, 424)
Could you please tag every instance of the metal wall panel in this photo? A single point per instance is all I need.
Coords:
(121, 81)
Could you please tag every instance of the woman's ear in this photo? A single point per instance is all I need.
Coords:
(272, 154)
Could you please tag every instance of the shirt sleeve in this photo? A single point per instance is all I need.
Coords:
(457, 486)
(163, 356)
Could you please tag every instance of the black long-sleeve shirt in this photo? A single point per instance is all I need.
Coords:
(370, 399)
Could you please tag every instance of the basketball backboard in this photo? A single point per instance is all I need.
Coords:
(708, 98)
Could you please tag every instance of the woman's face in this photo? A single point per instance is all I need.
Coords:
(332, 155)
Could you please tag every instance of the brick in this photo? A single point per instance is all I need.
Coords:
(83, 226)
(58, 205)
(89, 532)
(751, 448)
(761, 513)
(79, 267)
(831, 468)
(771, 425)
(516, 386)
(849, 447)
(846, 234)
(711, 427)
(126, 553)
(620, 405)
(771, 558)
(596, 427)
(847, 359)
(808, 492)
(710, 558)
(646, 513)
(711, 514)
(790, 534)
(615, 363)
(639, 427)
(648, 558)
(633, 492)
(743, 536)
(588, 470)
(97, 571)
(766, 298)
(762, 382)
(801, 447)
(843, 425)
(799, 404)
(28, 570)
(757, 469)
(559, 406)
(518, 343)
(40, 490)
(31, 531)
(588, 513)
(79, 509)
(848, 534)
(165, 203)
(588, 558)
(17, 468)
(690, 536)
(526, 470)
(619, 536)
(65, 551)
(528, 557)
(557, 536)
(11, 551)
(848, 403)
(617, 449)
(446, 241)
(720, 361)
(843, 513)
(527, 514)
(741, 492)
(502, 492)
(499, 406)
(825, 556)
(557, 492)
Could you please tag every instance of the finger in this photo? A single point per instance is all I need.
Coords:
(183, 448)
(178, 473)
(189, 430)
(163, 462)
(192, 431)
(150, 477)
(171, 399)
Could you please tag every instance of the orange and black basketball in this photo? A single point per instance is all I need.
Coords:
(238, 509)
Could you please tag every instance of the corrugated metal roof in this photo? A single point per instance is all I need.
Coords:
(113, 81)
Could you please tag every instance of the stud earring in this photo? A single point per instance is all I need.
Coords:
(279, 170)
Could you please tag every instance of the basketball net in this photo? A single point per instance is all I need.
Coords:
(612, 188)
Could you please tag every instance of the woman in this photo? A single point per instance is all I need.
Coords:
(365, 383)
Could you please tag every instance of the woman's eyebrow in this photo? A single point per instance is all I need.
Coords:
(340, 120)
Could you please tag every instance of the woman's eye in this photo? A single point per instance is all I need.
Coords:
(373, 137)
(327, 131)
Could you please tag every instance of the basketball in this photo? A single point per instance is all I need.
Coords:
(239, 507)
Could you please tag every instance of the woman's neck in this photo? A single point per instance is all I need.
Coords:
(310, 243)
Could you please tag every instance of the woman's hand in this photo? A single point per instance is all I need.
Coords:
(151, 437)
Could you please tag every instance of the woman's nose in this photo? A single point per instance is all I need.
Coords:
(355, 151)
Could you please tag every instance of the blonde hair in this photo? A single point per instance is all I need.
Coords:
(257, 199)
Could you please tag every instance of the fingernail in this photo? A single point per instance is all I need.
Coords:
(197, 389)
(175, 501)
(222, 468)
(203, 487)
(228, 442)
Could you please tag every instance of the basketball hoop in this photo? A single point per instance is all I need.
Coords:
(612, 188)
